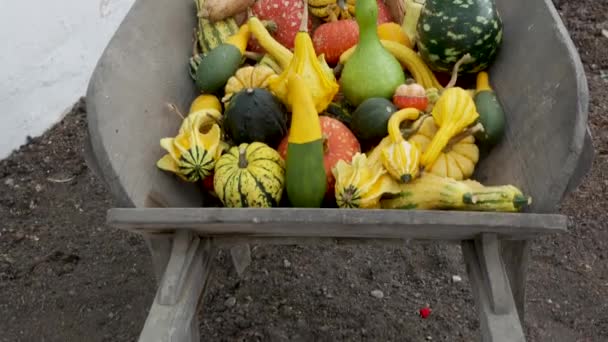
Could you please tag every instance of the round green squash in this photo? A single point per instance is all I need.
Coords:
(370, 120)
(250, 175)
(255, 114)
(447, 30)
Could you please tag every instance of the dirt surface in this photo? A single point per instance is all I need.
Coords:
(65, 276)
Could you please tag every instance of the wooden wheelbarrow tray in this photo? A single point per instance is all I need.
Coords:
(546, 151)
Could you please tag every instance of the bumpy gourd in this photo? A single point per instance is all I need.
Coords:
(453, 112)
(361, 184)
(192, 154)
(318, 77)
(401, 158)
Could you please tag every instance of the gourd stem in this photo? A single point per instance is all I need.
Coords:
(256, 56)
(332, 15)
(243, 158)
(464, 59)
(458, 137)
(195, 45)
(304, 23)
(175, 110)
(408, 132)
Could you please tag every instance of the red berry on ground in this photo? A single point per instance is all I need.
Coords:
(425, 312)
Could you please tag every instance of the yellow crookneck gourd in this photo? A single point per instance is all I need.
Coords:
(398, 156)
(314, 70)
(305, 178)
(453, 112)
(361, 183)
(457, 160)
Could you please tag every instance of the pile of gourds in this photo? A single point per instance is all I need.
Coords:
(289, 130)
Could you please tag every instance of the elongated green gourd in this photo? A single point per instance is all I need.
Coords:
(371, 71)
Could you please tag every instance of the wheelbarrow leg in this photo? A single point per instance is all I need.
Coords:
(516, 256)
(173, 315)
(491, 288)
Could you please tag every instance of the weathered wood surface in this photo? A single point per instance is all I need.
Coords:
(544, 93)
(499, 320)
(292, 222)
(145, 65)
(173, 315)
(516, 257)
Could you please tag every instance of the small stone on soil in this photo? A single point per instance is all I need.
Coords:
(286, 263)
(378, 294)
(230, 302)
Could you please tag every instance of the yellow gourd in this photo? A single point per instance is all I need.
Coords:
(248, 77)
(191, 154)
(361, 184)
(456, 161)
(204, 101)
(317, 75)
(453, 112)
(401, 158)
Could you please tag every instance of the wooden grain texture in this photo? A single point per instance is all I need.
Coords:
(494, 327)
(296, 222)
(178, 321)
(182, 259)
(543, 90)
(544, 93)
(144, 66)
(494, 274)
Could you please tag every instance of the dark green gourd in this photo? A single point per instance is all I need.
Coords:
(449, 29)
(371, 71)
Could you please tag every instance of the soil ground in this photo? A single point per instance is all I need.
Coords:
(65, 276)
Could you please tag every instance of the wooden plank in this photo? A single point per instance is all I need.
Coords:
(182, 257)
(176, 322)
(494, 274)
(340, 223)
(494, 327)
(516, 256)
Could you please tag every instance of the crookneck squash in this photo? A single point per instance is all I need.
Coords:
(250, 175)
(306, 181)
(453, 112)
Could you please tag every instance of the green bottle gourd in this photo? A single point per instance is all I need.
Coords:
(371, 71)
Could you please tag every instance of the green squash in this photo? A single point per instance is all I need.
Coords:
(250, 175)
(370, 120)
(255, 114)
(447, 30)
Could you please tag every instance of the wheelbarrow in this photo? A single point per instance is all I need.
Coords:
(546, 151)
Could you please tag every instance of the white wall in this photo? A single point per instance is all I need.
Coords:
(48, 51)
